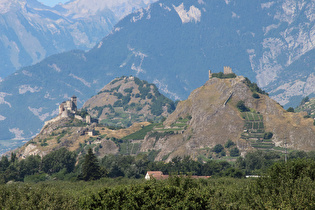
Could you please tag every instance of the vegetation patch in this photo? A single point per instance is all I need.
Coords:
(254, 131)
(221, 75)
(141, 133)
(254, 88)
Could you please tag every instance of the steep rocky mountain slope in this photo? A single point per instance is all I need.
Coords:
(173, 44)
(212, 117)
(31, 31)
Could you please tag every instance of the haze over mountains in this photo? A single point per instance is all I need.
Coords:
(173, 44)
(31, 31)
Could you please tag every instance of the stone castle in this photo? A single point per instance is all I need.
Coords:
(226, 70)
(68, 108)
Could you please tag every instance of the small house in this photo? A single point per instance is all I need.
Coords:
(155, 175)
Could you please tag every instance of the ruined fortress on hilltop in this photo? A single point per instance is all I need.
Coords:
(69, 109)
(226, 70)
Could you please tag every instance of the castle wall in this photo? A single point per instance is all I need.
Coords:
(78, 117)
(227, 70)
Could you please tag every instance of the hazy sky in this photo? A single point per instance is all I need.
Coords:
(52, 2)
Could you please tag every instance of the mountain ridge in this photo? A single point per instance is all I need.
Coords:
(172, 45)
(33, 31)
(210, 116)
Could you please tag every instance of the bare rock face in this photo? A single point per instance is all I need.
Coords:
(214, 118)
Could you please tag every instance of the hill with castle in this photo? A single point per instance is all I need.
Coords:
(227, 108)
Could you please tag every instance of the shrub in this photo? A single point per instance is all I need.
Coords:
(241, 106)
(290, 109)
(118, 103)
(254, 87)
(223, 153)
(221, 75)
(229, 143)
(268, 135)
(128, 90)
(255, 95)
(234, 152)
(218, 148)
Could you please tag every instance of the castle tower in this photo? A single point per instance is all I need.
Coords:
(227, 70)
(61, 107)
(88, 119)
(210, 74)
(73, 103)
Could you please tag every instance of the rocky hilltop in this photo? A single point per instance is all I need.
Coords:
(211, 115)
(126, 100)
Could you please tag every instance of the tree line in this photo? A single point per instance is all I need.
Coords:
(64, 165)
(288, 185)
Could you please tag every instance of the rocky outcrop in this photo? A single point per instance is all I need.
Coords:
(213, 123)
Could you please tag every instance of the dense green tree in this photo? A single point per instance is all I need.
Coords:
(4, 163)
(297, 154)
(256, 95)
(234, 152)
(13, 157)
(234, 172)
(268, 135)
(59, 159)
(90, 167)
(229, 143)
(218, 148)
(257, 161)
(32, 164)
(290, 109)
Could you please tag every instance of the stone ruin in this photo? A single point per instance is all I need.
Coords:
(226, 70)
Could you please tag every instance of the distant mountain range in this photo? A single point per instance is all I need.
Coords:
(31, 31)
(173, 44)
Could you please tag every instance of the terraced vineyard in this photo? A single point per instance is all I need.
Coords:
(131, 144)
(254, 131)
(177, 126)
